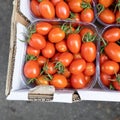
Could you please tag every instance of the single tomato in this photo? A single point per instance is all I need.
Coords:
(103, 58)
(41, 60)
(105, 3)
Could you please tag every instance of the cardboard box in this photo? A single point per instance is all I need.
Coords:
(16, 88)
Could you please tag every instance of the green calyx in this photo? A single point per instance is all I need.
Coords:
(30, 57)
(60, 67)
(111, 87)
(31, 81)
(100, 8)
(117, 6)
(85, 5)
(118, 20)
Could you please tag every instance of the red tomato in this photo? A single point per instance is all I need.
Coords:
(105, 78)
(77, 66)
(90, 69)
(110, 67)
(62, 10)
(43, 28)
(75, 5)
(66, 58)
(47, 9)
(88, 79)
(32, 51)
(55, 57)
(56, 35)
(103, 58)
(74, 42)
(59, 81)
(112, 50)
(107, 16)
(89, 1)
(68, 84)
(117, 16)
(54, 2)
(77, 56)
(87, 15)
(37, 41)
(31, 69)
(41, 60)
(105, 3)
(49, 50)
(112, 34)
(78, 81)
(34, 6)
(88, 51)
(66, 73)
(61, 46)
(116, 85)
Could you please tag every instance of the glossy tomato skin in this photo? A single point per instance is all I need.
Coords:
(105, 3)
(34, 6)
(112, 50)
(54, 2)
(59, 81)
(43, 28)
(37, 41)
(56, 35)
(110, 67)
(116, 85)
(112, 34)
(41, 60)
(107, 16)
(61, 46)
(78, 81)
(49, 50)
(77, 56)
(74, 42)
(32, 51)
(47, 9)
(87, 15)
(66, 58)
(77, 66)
(88, 51)
(56, 57)
(31, 69)
(103, 58)
(88, 79)
(62, 10)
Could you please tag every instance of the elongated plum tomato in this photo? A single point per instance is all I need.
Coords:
(62, 10)
(112, 50)
(31, 69)
(49, 50)
(59, 81)
(34, 6)
(47, 9)
(110, 67)
(112, 34)
(78, 81)
(105, 3)
(77, 66)
(56, 35)
(43, 28)
(103, 58)
(74, 42)
(88, 51)
(37, 41)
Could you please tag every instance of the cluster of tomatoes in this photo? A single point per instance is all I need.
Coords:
(109, 11)
(79, 10)
(60, 55)
(110, 58)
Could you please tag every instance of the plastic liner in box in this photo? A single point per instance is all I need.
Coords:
(92, 26)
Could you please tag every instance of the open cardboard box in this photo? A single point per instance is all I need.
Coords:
(15, 86)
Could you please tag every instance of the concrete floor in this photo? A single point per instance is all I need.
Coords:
(18, 110)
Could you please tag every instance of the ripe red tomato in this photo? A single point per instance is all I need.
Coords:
(88, 51)
(61, 46)
(77, 66)
(105, 78)
(87, 15)
(75, 5)
(56, 35)
(103, 58)
(105, 3)
(66, 73)
(90, 69)
(74, 42)
(34, 6)
(59, 81)
(31, 69)
(47, 9)
(110, 67)
(37, 41)
(55, 57)
(41, 60)
(107, 16)
(43, 28)
(88, 79)
(117, 16)
(89, 1)
(112, 34)
(66, 58)
(54, 2)
(32, 51)
(112, 50)
(62, 10)
(77, 56)
(49, 50)
(78, 81)
(116, 84)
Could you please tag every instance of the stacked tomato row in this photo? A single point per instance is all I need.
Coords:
(60, 55)
(109, 11)
(110, 58)
(79, 10)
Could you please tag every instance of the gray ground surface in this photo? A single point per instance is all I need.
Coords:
(18, 110)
